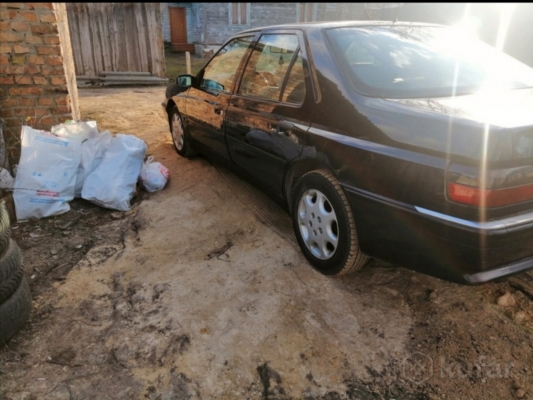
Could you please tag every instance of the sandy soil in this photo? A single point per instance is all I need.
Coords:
(200, 292)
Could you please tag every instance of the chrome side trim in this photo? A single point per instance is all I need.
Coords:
(504, 223)
(378, 148)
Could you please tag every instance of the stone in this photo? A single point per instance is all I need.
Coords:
(507, 300)
(520, 316)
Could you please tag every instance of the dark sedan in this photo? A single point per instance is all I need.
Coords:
(409, 143)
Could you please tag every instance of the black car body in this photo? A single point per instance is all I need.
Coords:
(438, 180)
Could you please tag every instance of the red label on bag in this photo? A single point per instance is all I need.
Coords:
(164, 171)
(48, 193)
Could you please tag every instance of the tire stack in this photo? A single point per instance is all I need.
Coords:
(15, 295)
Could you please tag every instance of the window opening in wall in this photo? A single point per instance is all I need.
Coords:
(239, 13)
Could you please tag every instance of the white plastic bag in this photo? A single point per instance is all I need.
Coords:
(112, 183)
(83, 130)
(46, 174)
(92, 153)
(154, 175)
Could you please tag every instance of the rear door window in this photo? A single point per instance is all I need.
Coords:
(294, 88)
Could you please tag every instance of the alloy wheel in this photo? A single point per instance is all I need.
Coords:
(177, 131)
(318, 224)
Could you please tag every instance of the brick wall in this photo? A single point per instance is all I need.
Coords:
(33, 71)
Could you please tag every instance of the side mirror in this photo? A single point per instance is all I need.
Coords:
(185, 81)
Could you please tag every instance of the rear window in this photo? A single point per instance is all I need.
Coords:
(422, 61)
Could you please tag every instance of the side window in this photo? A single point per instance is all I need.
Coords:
(294, 91)
(219, 73)
(268, 65)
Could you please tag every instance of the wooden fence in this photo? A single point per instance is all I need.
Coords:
(116, 37)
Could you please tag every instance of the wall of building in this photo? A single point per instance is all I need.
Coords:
(194, 16)
(165, 22)
(340, 11)
(219, 29)
(33, 75)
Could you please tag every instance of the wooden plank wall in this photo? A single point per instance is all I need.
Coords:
(116, 37)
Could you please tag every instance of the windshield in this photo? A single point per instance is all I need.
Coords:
(423, 61)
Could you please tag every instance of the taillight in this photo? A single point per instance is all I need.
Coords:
(489, 197)
(501, 187)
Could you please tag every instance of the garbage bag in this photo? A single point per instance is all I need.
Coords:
(83, 130)
(92, 153)
(154, 175)
(46, 174)
(112, 183)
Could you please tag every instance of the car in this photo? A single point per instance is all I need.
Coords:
(409, 143)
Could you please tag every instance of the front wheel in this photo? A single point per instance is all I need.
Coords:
(181, 140)
(324, 225)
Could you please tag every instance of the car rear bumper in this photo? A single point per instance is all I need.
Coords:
(450, 248)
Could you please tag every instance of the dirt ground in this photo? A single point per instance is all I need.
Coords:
(200, 292)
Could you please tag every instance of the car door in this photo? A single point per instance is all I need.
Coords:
(270, 110)
(207, 102)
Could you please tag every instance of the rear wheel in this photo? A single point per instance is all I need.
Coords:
(181, 140)
(324, 225)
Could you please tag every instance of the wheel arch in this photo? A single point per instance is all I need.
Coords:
(297, 169)
(169, 107)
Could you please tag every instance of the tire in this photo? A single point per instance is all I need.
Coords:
(15, 312)
(11, 271)
(180, 138)
(5, 228)
(324, 225)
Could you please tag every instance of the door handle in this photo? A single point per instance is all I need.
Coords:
(282, 128)
(284, 125)
(278, 131)
(217, 110)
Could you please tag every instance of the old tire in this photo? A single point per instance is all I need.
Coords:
(11, 271)
(324, 225)
(5, 228)
(180, 138)
(15, 311)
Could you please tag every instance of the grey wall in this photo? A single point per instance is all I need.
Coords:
(218, 30)
(195, 20)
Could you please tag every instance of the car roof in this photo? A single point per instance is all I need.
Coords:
(338, 24)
